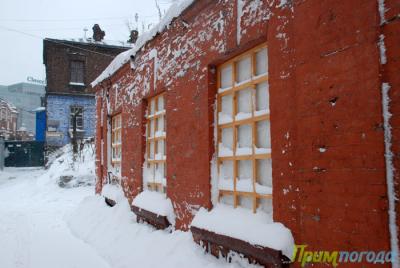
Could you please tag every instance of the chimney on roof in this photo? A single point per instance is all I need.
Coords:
(98, 34)
(133, 37)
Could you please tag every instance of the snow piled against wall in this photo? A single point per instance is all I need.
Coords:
(115, 235)
(256, 229)
(157, 203)
(174, 11)
(81, 171)
(113, 192)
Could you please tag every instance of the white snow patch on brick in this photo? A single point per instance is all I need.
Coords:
(389, 174)
(382, 49)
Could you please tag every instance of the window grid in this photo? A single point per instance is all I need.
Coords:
(155, 139)
(78, 110)
(116, 144)
(234, 90)
(77, 71)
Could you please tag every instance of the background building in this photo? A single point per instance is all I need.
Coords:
(26, 97)
(8, 120)
(70, 67)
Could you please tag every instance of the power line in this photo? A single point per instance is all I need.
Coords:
(52, 20)
(55, 41)
(67, 28)
(71, 19)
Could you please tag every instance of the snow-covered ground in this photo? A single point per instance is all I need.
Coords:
(43, 225)
(33, 232)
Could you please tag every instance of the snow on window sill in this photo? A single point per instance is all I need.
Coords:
(223, 89)
(240, 151)
(160, 134)
(224, 151)
(156, 203)
(76, 84)
(113, 192)
(243, 151)
(243, 185)
(256, 229)
(262, 150)
(261, 112)
(77, 130)
(259, 76)
(159, 157)
(224, 118)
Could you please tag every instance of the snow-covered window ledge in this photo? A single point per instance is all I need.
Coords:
(224, 230)
(79, 84)
(154, 208)
(113, 193)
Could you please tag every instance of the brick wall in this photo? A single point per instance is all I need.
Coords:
(335, 104)
(57, 55)
(327, 131)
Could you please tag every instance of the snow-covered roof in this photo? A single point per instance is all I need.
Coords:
(105, 42)
(39, 109)
(90, 41)
(174, 11)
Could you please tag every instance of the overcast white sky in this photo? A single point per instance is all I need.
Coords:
(21, 54)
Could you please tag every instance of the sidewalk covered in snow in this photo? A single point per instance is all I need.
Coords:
(46, 224)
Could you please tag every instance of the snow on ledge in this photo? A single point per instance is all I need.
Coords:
(113, 192)
(243, 224)
(174, 11)
(157, 203)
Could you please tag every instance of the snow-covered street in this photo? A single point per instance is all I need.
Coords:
(43, 225)
(33, 232)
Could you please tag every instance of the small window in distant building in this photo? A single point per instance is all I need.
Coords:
(52, 125)
(116, 143)
(76, 111)
(77, 73)
(154, 170)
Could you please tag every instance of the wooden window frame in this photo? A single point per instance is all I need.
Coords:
(77, 73)
(71, 110)
(116, 131)
(153, 119)
(251, 84)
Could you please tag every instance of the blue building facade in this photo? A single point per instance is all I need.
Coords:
(59, 117)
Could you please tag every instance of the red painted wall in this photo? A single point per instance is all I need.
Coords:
(325, 93)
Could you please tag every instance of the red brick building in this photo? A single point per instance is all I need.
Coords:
(329, 110)
(8, 120)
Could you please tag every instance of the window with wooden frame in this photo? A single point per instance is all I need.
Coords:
(154, 170)
(244, 139)
(77, 112)
(116, 144)
(77, 72)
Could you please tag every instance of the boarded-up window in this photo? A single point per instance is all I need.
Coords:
(244, 139)
(154, 170)
(77, 72)
(116, 144)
